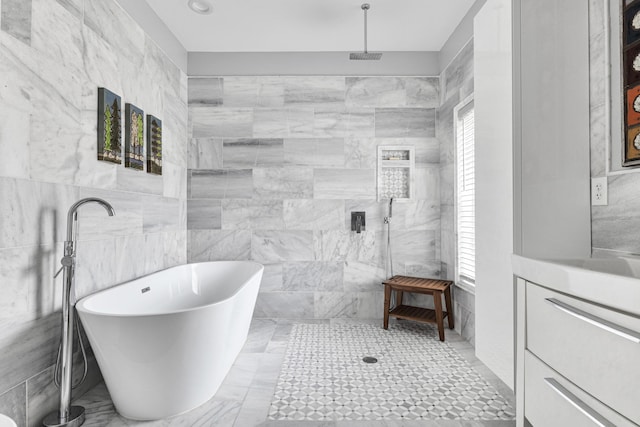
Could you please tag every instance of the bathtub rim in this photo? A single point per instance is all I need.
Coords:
(80, 305)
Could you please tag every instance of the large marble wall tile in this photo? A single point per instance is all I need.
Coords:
(598, 149)
(174, 180)
(459, 71)
(65, 44)
(160, 214)
(405, 122)
(286, 305)
(419, 215)
(97, 265)
(14, 137)
(392, 92)
(131, 180)
(242, 153)
(28, 287)
(363, 277)
(33, 213)
(205, 153)
(129, 261)
(423, 91)
(175, 248)
(427, 269)
(254, 91)
(344, 123)
(221, 184)
(318, 152)
(348, 246)
(115, 26)
(76, 7)
(176, 124)
(16, 19)
(375, 92)
(363, 305)
(344, 184)
(205, 90)
(221, 122)
(283, 183)
(245, 214)
(361, 153)
(204, 214)
(312, 276)
(13, 403)
(14, 305)
(427, 183)
(271, 278)
(305, 214)
(219, 245)
(279, 246)
(314, 91)
(413, 246)
(283, 122)
(28, 348)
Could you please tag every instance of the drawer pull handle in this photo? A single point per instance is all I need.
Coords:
(596, 321)
(578, 404)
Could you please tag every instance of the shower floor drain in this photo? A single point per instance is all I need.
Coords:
(369, 359)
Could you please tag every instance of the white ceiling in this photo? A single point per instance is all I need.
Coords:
(312, 26)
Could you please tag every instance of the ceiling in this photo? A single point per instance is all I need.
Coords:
(312, 26)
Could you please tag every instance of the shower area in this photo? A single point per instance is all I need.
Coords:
(278, 164)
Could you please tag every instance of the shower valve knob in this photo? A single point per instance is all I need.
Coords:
(66, 261)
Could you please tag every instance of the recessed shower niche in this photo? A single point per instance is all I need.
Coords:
(396, 166)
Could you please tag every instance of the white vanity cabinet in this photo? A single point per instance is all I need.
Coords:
(578, 343)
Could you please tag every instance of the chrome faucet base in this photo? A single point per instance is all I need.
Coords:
(75, 418)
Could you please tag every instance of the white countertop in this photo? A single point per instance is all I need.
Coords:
(614, 282)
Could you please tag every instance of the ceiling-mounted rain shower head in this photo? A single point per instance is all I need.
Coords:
(367, 56)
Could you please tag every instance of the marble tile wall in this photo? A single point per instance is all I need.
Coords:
(456, 84)
(276, 166)
(615, 228)
(53, 57)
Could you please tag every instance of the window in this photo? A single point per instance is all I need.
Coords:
(465, 194)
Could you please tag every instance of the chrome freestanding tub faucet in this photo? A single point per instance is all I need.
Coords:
(68, 415)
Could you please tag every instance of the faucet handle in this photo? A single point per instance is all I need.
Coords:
(66, 261)
(58, 272)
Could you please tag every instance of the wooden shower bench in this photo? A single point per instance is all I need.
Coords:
(419, 285)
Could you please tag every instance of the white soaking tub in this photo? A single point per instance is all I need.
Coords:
(165, 342)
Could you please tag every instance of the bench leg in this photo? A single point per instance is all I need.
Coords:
(387, 302)
(447, 300)
(399, 298)
(437, 302)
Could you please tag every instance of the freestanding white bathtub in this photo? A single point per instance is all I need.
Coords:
(165, 342)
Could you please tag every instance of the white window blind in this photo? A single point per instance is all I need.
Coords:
(466, 211)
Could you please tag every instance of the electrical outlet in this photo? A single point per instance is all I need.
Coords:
(599, 191)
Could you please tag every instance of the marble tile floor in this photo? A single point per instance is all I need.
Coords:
(245, 397)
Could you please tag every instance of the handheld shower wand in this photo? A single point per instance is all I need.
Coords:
(387, 220)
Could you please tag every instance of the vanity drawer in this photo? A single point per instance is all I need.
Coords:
(595, 348)
(552, 401)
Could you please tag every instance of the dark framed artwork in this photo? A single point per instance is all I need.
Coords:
(631, 82)
(134, 137)
(109, 126)
(154, 145)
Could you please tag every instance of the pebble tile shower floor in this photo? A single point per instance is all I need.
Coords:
(416, 377)
(311, 374)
